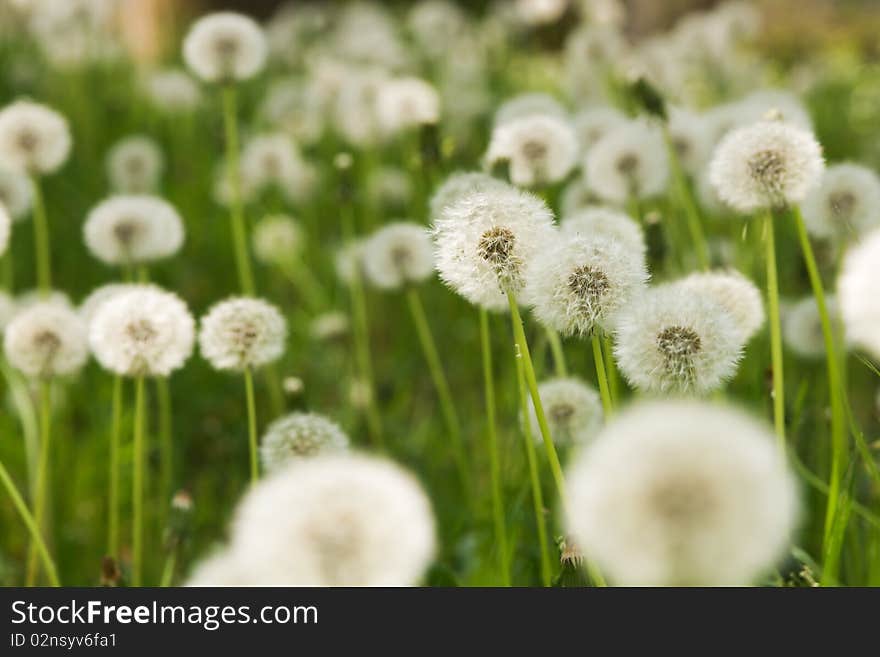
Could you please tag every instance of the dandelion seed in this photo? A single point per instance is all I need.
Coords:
(278, 239)
(540, 149)
(845, 204)
(15, 193)
(133, 229)
(46, 340)
(134, 165)
(398, 254)
(485, 243)
(224, 47)
(145, 331)
(765, 165)
(739, 296)
(682, 493)
(297, 436)
(671, 340)
(572, 408)
(605, 222)
(242, 333)
(34, 138)
(350, 520)
(628, 162)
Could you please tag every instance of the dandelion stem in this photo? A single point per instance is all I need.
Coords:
(775, 331)
(686, 201)
(236, 216)
(168, 569)
(137, 485)
(835, 387)
(537, 495)
(113, 501)
(31, 524)
(42, 477)
(166, 445)
(604, 390)
(41, 239)
(558, 353)
(252, 423)
(435, 366)
(611, 369)
(492, 439)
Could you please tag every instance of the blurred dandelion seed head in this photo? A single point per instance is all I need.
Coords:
(241, 333)
(225, 47)
(34, 138)
(46, 340)
(299, 435)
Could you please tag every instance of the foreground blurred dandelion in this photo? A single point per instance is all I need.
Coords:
(680, 493)
(299, 435)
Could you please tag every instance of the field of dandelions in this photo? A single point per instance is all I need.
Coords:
(361, 296)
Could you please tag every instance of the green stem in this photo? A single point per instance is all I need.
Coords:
(273, 386)
(310, 290)
(42, 477)
(236, 216)
(558, 352)
(611, 369)
(137, 486)
(775, 331)
(537, 495)
(113, 501)
(41, 239)
(492, 447)
(435, 367)
(604, 390)
(166, 445)
(31, 524)
(686, 200)
(835, 386)
(252, 424)
(168, 569)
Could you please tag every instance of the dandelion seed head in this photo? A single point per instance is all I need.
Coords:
(739, 296)
(34, 138)
(390, 187)
(397, 255)
(682, 493)
(45, 340)
(100, 295)
(15, 193)
(330, 326)
(289, 106)
(298, 436)
(143, 331)
(540, 12)
(278, 239)
(845, 203)
(403, 103)
(630, 161)
(766, 164)
(605, 222)
(802, 326)
(592, 124)
(572, 408)
(242, 332)
(485, 243)
(355, 111)
(458, 185)
(349, 520)
(539, 149)
(135, 165)
(671, 340)
(133, 229)
(858, 292)
(172, 90)
(435, 24)
(225, 47)
(272, 159)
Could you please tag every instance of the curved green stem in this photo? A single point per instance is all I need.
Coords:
(41, 239)
(435, 367)
(604, 389)
(252, 424)
(611, 369)
(558, 352)
(113, 501)
(31, 525)
(492, 447)
(236, 216)
(42, 477)
(137, 486)
(775, 330)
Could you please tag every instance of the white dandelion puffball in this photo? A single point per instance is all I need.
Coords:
(297, 436)
(578, 283)
(15, 193)
(223, 568)
(802, 326)
(858, 292)
(592, 124)
(389, 186)
(397, 255)
(485, 243)
(539, 149)
(144, 331)
(224, 47)
(739, 296)
(272, 159)
(529, 104)
(277, 239)
(349, 520)
(605, 222)
(845, 203)
(679, 493)
(135, 165)
(764, 165)
(241, 333)
(133, 229)
(461, 184)
(329, 326)
(89, 306)
(435, 24)
(573, 410)
(46, 340)
(172, 90)
(403, 103)
(630, 161)
(540, 12)
(36, 297)
(671, 340)
(34, 139)
(5, 229)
